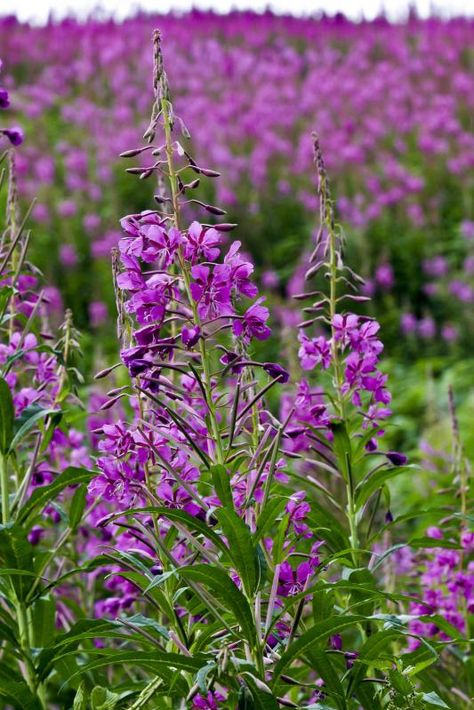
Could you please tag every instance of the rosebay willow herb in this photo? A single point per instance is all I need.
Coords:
(392, 101)
(246, 591)
(244, 540)
(39, 510)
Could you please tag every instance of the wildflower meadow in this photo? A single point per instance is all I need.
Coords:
(236, 371)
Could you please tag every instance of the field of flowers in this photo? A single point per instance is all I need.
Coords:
(236, 372)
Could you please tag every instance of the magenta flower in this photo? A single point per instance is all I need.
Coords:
(201, 243)
(297, 510)
(15, 135)
(211, 291)
(315, 351)
(240, 271)
(253, 323)
(4, 98)
(209, 701)
(344, 327)
(190, 336)
(161, 245)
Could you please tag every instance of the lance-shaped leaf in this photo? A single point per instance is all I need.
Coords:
(241, 549)
(41, 496)
(312, 637)
(224, 588)
(24, 424)
(375, 481)
(221, 481)
(17, 553)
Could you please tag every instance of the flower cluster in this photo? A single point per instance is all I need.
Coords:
(447, 588)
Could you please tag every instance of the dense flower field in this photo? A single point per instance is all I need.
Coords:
(394, 104)
(262, 499)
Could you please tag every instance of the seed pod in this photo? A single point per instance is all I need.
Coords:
(146, 174)
(214, 210)
(110, 403)
(107, 371)
(209, 173)
(224, 227)
(133, 152)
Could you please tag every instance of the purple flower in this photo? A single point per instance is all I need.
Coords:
(316, 351)
(201, 243)
(408, 323)
(253, 323)
(211, 291)
(275, 370)
(396, 458)
(161, 245)
(191, 335)
(344, 326)
(297, 510)
(4, 98)
(15, 135)
(240, 272)
(211, 701)
(384, 277)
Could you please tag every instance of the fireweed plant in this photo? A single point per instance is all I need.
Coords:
(232, 587)
(42, 482)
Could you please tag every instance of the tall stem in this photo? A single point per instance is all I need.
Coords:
(164, 109)
(327, 221)
(4, 487)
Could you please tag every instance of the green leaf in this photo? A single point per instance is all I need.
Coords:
(326, 526)
(434, 699)
(29, 417)
(322, 664)
(7, 417)
(16, 552)
(64, 644)
(341, 447)
(43, 616)
(279, 540)
(241, 548)
(221, 481)
(103, 699)
(375, 648)
(17, 694)
(80, 699)
(201, 676)
(269, 515)
(323, 602)
(156, 661)
(180, 516)
(376, 480)
(78, 504)
(41, 496)
(218, 581)
(260, 700)
(307, 641)
(421, 658)
(429, 542)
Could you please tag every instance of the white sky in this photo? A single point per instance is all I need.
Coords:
(38, 10)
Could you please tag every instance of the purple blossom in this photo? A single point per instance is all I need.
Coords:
(4, 98)
(240, 271)
(15, 135)
(211, 290)
(253, 323)
(201, 243)
(313, 352)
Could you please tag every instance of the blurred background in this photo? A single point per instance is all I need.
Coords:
(389, 86)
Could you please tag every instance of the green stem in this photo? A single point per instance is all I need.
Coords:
(4, 486)
(24, 639)
(351, 515)
(164, 107)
